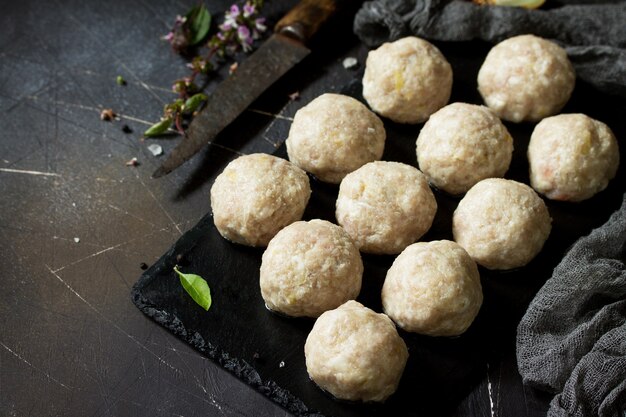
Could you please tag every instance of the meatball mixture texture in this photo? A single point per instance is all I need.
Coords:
(407, 80)
(526, 78)
(572, 157)
(462, 144)
(355, 354)
(256, 196)
(502, 224)
(310, 267)
(333, 135)
(433, 288)
(385, 206)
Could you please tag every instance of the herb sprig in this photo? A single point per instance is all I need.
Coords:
(242, 25)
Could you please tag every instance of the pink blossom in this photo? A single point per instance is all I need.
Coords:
(259, 24)
(243, 33)
(230, 17)
(248, 10)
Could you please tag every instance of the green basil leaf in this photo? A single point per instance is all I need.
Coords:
(158, 128)
(199, 20)
(196, 287)
(193, 102)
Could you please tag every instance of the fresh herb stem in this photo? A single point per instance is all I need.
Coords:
(242, 25)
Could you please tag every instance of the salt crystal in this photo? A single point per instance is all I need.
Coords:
(155, 149)
(350, 62)
(281, 364)
(76, 240)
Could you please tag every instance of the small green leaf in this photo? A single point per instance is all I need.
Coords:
(120, 80)
(196, 287)
(199, 21)
(193, 102)
(158, 128)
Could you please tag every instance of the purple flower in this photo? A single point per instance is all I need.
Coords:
(248, 10)
(229, 22)
(180, 19)
(168, 37)
(230, 18)
(243, 33)
(234, 10)
(259, 24)
(226, 26)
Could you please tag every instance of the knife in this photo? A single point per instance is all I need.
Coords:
(282, 51)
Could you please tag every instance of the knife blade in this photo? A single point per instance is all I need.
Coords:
(282, 51)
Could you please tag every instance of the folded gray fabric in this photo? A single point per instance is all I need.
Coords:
(593, 33)
(572, 339)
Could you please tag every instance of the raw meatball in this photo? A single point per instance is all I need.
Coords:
(526, 78)
(433, 288)
(502, 224)
(385, 206)
(309, 268)
(462, 144)
(572, 157)
(355, 354)
(407, 80)
(256, 196)
(334, 135)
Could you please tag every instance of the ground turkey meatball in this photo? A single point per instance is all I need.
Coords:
(462, 144)
(526, 78)
(309, 268)
(572, 157)
(334, 135)
(407, 80)
(501, 223)
(433, 288)
(385, 206)
(355, 354)
(256, 196)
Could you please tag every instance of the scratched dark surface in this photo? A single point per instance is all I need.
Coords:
(76, 223)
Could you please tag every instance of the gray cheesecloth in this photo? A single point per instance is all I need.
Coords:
(572, 339)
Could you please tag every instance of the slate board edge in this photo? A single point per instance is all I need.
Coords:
(240, 368)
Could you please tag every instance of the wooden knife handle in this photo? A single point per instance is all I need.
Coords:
(303, 21)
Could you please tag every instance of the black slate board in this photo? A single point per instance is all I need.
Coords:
(266, 350)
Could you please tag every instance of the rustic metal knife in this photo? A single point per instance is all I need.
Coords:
(283, 50)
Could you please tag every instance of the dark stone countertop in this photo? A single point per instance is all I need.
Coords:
(76, 223)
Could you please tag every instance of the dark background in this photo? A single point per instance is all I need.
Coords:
(71, 341)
